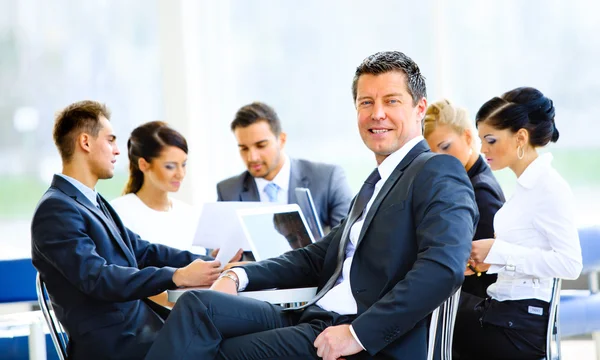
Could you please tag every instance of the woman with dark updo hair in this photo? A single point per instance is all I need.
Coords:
(157, 166)
(535, 239)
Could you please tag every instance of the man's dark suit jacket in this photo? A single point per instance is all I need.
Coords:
(327, 184)
(97, 275)
(410, 256)
(489, 198)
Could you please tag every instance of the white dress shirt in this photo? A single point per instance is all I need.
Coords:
(536, 236)
(340, 299)
(90, 194)
(282, 179)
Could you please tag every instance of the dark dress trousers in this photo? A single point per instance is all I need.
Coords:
(327, 183)
(410, 257)
(99, 274)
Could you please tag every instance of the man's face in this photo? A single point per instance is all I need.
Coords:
(103, 151)
(387, 118)
(260, 149)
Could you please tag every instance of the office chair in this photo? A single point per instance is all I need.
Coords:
(448, 309)
(57, 333)
(553, 332)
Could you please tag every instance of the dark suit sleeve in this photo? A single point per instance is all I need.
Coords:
(151, 254)
(488, 204)
(445, 215)
(294, 269)
(340, 196)
(60, 234)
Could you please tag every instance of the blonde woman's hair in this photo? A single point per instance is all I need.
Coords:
(444, 113)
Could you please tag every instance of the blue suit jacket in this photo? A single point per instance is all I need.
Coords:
(98, 275)
(327, 183)
(410, 255)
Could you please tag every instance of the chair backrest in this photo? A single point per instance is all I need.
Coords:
(18, 275)
(448, 311)
(59, 336)
(553, 332)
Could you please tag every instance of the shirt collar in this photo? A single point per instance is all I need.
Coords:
(90, 194)
(390, 163)
(537, 168)
(282, 179)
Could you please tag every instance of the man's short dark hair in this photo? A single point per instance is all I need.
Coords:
(255, 112)
(82, 116)
(387, 61)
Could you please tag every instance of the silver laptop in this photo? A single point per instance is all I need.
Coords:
(275, 230)
(307, 205)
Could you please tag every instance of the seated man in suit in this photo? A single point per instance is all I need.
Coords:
(399, 254)
(272, 176)
(98, 273)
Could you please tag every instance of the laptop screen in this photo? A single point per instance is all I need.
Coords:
(274, 231)
(306, 203)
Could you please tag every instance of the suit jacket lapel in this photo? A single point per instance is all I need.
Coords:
(117, 229)
(249, 189)
(297, 179)
(75, 194)
(389, 184)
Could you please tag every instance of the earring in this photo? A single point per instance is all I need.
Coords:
(470, 151)
(520, 152)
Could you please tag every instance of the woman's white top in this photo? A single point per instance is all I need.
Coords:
(536, 236)
(174, 228)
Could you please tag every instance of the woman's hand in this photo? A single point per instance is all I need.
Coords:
(474, 268)
(480, 250)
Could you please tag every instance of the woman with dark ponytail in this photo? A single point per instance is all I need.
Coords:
(157, 166)
(535, 238)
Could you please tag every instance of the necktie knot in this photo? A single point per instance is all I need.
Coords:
(271, 190)
(364, 195)
(373, 178)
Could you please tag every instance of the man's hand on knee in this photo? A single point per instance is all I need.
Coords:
(335, 342)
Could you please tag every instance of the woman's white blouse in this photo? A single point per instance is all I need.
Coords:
(536, 236)
(174, 228)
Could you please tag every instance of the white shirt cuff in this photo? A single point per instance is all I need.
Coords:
(505, 258)
(356, 337)
(242, 277)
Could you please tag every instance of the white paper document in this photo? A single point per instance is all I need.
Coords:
(219, 227)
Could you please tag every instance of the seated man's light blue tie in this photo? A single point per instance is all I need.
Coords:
(271, 190)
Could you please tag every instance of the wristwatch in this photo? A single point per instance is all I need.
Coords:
(231, 275)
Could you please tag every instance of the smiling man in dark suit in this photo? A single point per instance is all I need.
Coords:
(398, 255)
(98, 273)
(272, 176)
